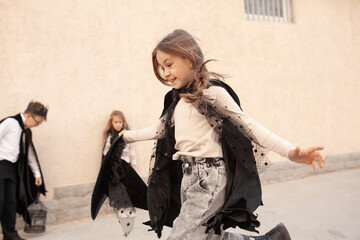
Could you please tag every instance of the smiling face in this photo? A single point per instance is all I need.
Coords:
(117, 123)
(174, 69)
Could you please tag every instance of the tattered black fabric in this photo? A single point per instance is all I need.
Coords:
(243, 194)
(243, 184)
(118, 181)
(27, 191)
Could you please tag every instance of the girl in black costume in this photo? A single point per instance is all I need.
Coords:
(116, 123)
(220, 150)
(126, 153)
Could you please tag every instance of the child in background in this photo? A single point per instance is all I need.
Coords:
(21, 178)
(116, 124)
(203, 126)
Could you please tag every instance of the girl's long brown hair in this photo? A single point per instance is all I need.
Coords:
(183, 44)
(109, 127)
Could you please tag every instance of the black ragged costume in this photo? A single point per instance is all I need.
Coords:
(118, 181)
(243, 184)
(27, 191)
(243, 194)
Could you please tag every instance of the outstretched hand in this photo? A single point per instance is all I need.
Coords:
(308, 156)
(121, 133)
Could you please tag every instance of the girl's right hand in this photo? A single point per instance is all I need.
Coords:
(121, 133)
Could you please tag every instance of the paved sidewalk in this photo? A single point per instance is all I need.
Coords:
(323, 206)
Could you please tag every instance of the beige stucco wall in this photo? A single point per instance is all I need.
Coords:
(85, 58)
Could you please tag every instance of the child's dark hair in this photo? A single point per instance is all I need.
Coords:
(183, 44)
(37, 108)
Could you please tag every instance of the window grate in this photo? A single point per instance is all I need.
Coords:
(269, 10)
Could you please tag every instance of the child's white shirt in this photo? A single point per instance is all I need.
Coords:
(10, 133)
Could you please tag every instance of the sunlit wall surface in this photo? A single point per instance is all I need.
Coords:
(84, 59)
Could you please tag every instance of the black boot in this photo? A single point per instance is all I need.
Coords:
(277, 233)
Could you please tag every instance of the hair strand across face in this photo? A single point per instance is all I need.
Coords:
(183, 44)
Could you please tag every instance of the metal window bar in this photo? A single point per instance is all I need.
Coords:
(277, 12)
(261, 10)
(257, 13)
(269, 10)
(266, 9)
(280, 10)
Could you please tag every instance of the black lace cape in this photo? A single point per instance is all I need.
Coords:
(27, 191)
(243, 192)
(118, 181)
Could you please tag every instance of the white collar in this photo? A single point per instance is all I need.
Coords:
(23, 119)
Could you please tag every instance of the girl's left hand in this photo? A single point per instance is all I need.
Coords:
(308, 156)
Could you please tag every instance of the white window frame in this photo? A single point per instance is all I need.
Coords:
(268, 10)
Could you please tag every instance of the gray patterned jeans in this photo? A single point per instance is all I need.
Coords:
(203, 191)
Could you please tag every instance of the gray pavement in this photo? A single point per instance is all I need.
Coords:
(322, 206)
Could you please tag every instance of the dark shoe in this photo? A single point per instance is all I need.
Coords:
(14, 238)
(277, 233)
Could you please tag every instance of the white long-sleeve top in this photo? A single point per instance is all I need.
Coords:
(195, 137)
(10, 133)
